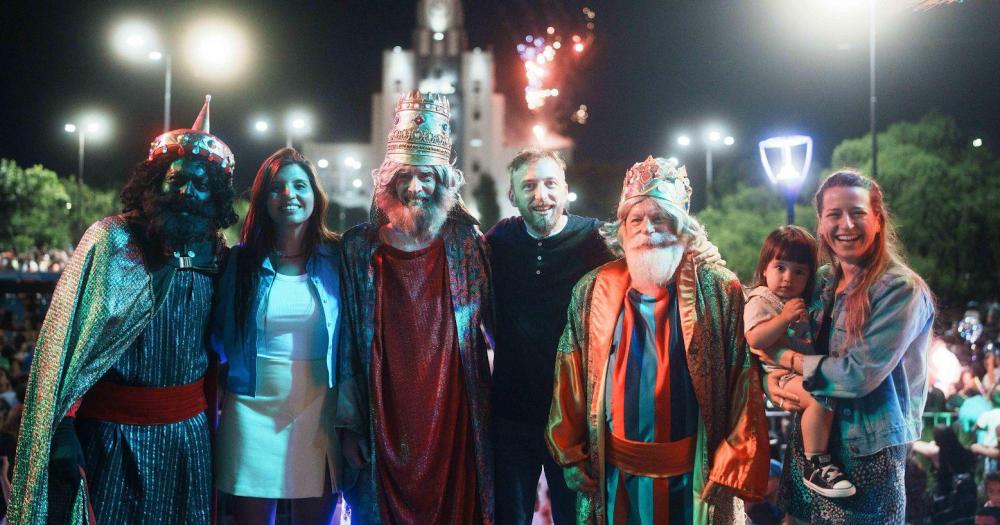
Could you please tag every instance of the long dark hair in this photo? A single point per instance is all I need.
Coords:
(788, 243)
(257, 235)
(148, 175)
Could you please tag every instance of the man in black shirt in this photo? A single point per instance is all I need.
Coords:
(536, 260)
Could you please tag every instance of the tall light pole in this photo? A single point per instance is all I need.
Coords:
(94, 125)
(789, 170)
(713, 138)
(841, 18)
(167, 81)
(214, 47)
(137, 40)
(871, 85)
(296, 124)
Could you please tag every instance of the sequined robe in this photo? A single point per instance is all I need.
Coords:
(105, 298)
(732, 453)
(471, 296)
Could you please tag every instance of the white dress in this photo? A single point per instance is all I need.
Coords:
(277, 444)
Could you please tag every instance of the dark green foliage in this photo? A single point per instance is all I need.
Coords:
(37, 209)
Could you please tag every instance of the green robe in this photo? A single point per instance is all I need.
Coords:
(731, 458)
(105, 298)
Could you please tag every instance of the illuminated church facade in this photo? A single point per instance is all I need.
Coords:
(439, 62)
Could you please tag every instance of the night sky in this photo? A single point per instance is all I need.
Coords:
(654, 70)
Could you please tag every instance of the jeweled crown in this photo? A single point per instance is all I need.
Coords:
(421, 132)
(658, 178)
(195, 141)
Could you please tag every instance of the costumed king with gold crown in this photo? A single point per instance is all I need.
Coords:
(413, 400)
(657, 413)
(123, 347)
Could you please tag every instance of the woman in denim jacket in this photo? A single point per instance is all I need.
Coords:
(874, 328)
(276, 325)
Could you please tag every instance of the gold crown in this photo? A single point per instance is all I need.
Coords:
(658, 178)
(421, 133)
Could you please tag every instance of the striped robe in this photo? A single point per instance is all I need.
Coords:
(731, 456)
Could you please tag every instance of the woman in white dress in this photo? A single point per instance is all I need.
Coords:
(276, 326)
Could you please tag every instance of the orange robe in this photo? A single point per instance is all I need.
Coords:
(732, 452)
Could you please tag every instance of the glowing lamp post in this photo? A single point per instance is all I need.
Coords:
(214, 48)
(786, 161)
(713, 138)
(296, 124)
(136, 40)
(93, 126)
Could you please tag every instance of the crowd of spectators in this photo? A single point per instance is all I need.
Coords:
(952, 475)
(34, 260)
(21, 315)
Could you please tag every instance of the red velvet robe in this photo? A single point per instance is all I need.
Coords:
(423, 432)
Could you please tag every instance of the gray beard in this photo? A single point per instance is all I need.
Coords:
(653, 266)
(419, 222)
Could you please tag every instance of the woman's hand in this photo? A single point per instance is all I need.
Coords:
(782, 398)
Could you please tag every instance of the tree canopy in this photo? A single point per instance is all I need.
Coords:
(943, 196)
(941, 192)
(37, 209)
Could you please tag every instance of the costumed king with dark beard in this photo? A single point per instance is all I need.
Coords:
(123, 348)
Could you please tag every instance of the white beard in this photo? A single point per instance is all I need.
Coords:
(650, 265)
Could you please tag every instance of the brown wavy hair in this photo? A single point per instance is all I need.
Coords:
(883, 253)
(788, 243)
(257, 236)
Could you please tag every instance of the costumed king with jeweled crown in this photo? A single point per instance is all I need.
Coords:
(413, 396)
(115, 428)
(657, 413)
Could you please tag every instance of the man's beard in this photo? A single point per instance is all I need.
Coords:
(654, 259)
(419, 219)
(544, 224)
(177, 219)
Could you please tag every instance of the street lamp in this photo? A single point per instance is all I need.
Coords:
(297, 123)
(93, 125)
(215, 48)
(788, 173)
(713, 139)
(841, 17)
(136, 40)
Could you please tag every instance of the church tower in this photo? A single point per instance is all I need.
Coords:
(439, 62)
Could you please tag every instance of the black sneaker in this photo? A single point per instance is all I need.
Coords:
(826, 479)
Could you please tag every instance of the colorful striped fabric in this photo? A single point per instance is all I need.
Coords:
(650, 398)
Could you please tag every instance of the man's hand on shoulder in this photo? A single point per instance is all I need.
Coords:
(705, 252)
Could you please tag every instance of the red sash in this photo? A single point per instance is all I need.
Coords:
(143, 405)
(652, 460)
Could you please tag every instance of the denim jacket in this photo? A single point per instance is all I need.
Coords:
(240, 352)
(880, 379)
